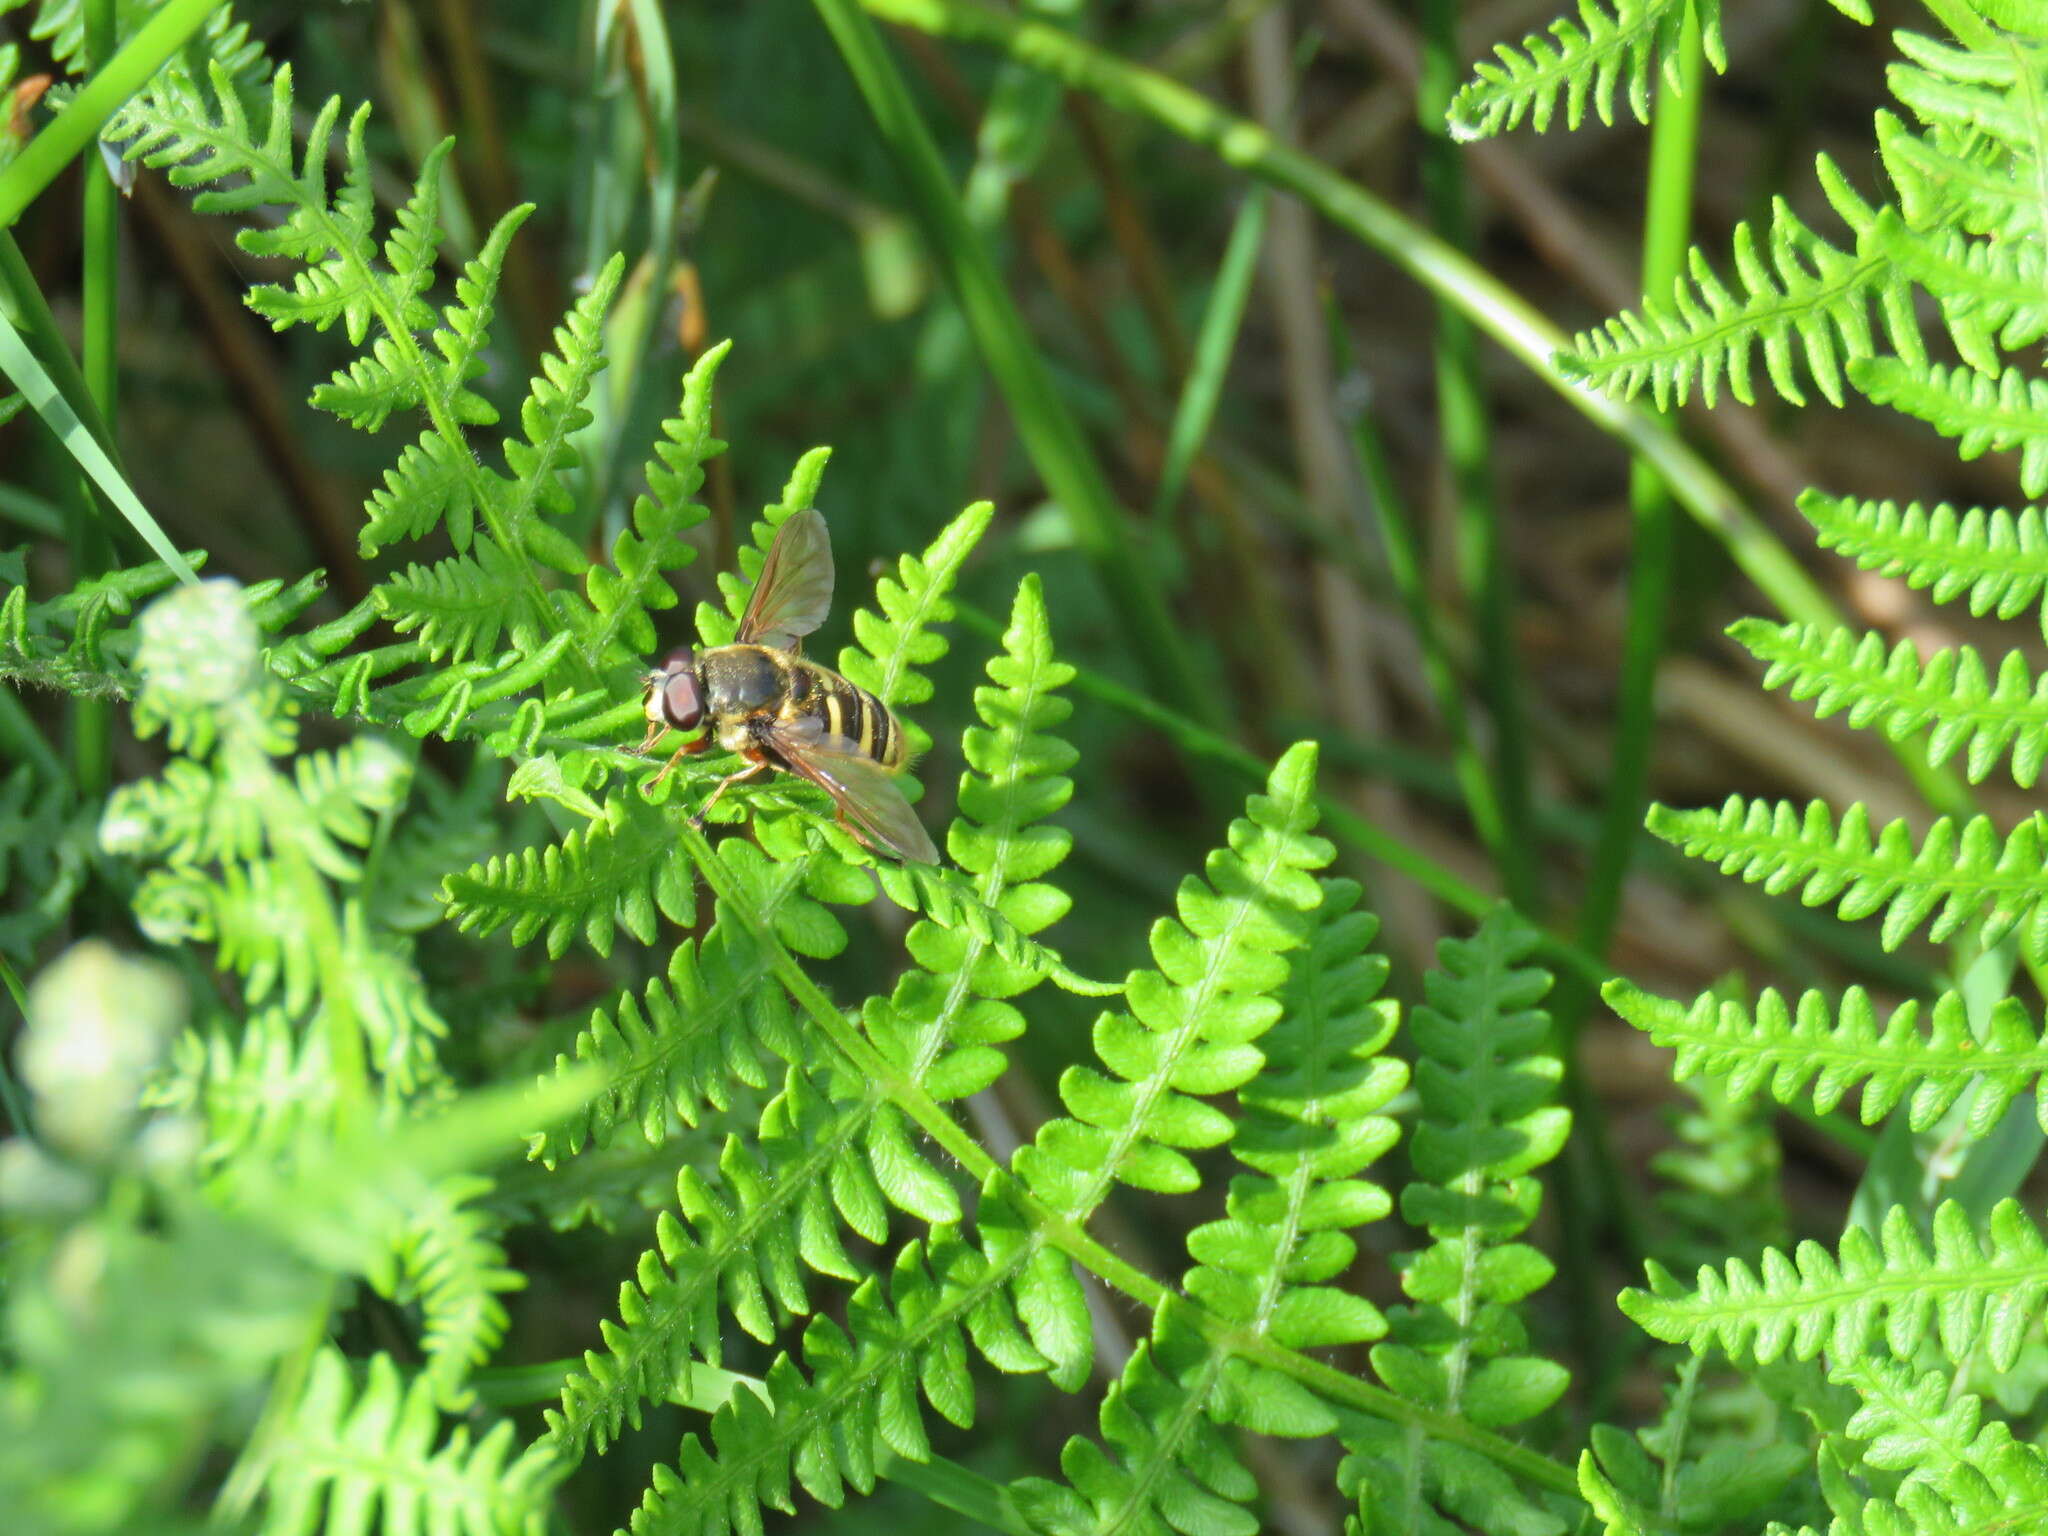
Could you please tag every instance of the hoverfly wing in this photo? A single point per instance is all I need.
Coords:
(866, 794)
(795, 590)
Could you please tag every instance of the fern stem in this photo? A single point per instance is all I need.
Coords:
(1465, 433)
(1968, 27)
(1071, 1239)
(46, 155)
(1073, 475)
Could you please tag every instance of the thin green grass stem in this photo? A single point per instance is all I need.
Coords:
(78, 124)
(1072, 473)
(1223, 317)
(1404, 564)
(10, 1092)
(1466, 433)
(92, 552)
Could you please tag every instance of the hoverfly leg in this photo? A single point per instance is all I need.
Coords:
(654, 730)
(687, 749)
(755, 767)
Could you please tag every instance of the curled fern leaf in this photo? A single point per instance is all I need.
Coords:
(1997, 559)
(1780, 1049)
(1583, 61)
(1950, 695)
(1954, 877)
(1978, 1290)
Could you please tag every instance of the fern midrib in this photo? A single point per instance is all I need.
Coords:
(1160, 1453)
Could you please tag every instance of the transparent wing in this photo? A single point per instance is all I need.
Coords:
(870, 800)
(795, 590)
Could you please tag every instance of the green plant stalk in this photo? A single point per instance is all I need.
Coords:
(46, 155)
(1072, 1239)
(1587, 1173)
(1061, 453)
(1195, 412)
(1404, 565)
(10, 1094)
(92, 720)
(1466, 434)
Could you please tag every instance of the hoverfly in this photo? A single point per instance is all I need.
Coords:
(760, 698)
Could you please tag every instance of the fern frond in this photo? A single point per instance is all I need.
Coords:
(1950, 695)
(60, 25)
(838, 1146)
(1805, 301)
(344, 1453)
(1581, 62)
(1169, 1467)
(822, 1431)
(1488, 1120)
(1311, 1125)
(1997, 559)
(898, 636)
(720, 1017)
(622, 595)
(448, 1259)
(1193, 1021)
(1956, 876)
(1780, 1049)
(627, 870)
(252, 1093)
(1986, 414)
(1977, 1290)
(459, 605)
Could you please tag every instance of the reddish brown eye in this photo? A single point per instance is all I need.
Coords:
(680, 700)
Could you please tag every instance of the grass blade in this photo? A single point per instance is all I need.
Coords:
(28, 375)
(1221, 320)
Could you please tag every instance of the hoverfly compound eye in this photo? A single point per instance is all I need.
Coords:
(682, 705)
